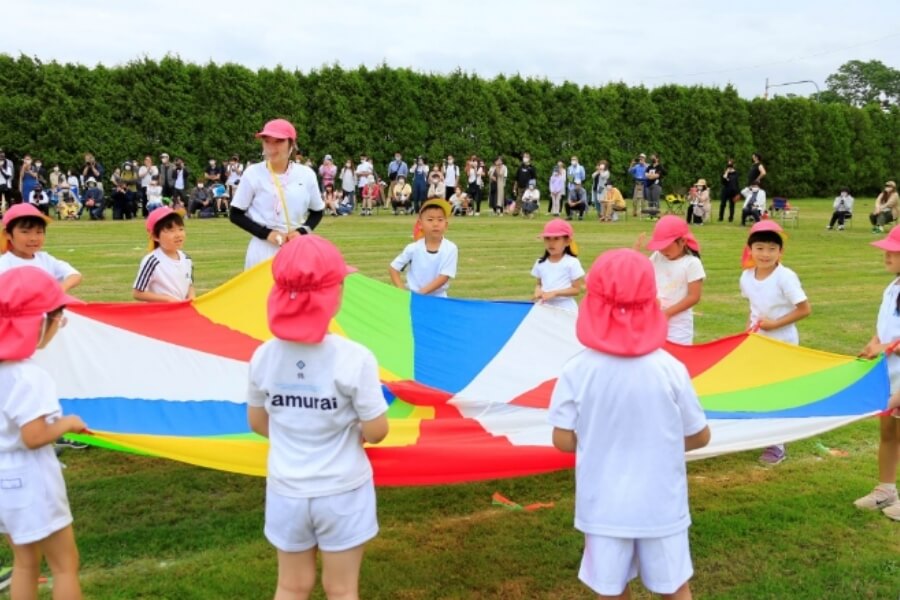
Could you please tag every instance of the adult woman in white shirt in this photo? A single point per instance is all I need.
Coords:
(277, 199)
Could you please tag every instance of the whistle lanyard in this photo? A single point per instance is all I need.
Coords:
(280, 191)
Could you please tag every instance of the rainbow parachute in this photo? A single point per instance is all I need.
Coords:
(468, 382)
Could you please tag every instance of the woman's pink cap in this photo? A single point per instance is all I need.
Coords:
(557, 228)
(670, 228)
(620, 314)
(891, 243)
(308, 273)
(156, 216)
(279, 129)
(26, 295)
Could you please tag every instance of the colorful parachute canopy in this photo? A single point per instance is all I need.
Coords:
(468, 382)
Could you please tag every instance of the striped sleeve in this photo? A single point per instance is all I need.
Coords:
(145, 272)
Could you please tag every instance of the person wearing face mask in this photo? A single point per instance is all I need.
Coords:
(180, 181)
(327, 172)
(638, 171)
(278, 200)
(213, 174)
(348, 182)
(497, 175)
(146, 173)
(843, 209)
(450, 172)
(28, 177)
(887, 208)
(128, 179)
(524, 175)
(166, 175)
(729, 192)
(200, 199)
(574, 173)
(419, 183)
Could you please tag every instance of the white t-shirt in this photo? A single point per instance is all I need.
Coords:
(27, 392)
(316, 395)
(258, 195)
(888, 329)
(559, 276)
(672, 279)
(772, 298)
(363, 172)
(630, 416)
(451, 174)
(147, 174)
(58, 269)
(425, 266)
(160, 274)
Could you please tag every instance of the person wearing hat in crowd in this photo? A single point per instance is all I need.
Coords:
(887, 208)
(679, 275)
(559, 274)
(777, 300)
(278, 199)
(432, 258)
(628, 410)
(93, 200)
(885, 341)
(315, 396)
(34, 507)
(166, 274)
(699, 206)
(24, 232)
(327, 172)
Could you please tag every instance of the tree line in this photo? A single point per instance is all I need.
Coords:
(60, 111)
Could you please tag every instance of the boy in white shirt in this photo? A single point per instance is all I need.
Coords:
(777, 300)
(431, 259)
(24, 232)
(629, 411)
(166, 274)
(317, 397)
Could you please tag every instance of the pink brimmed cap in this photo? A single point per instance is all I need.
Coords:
(17, 211)
(308, 273)
(27, 294)
(280, 129)
(557, 228)
(156, 216)
(670, 228)
(891, 243)
(767, 225)
(620, 314)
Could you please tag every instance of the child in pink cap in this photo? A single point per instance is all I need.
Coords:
(887, 333)
(679, 275)
(560, 276)
(628, 410)
(34, 507)
(22, 242)
(166, 274)
(777, 300)
(316, 396)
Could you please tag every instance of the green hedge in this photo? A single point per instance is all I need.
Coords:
(59, 111)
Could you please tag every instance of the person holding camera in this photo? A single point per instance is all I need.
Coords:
(147, 173)
(843, 209)
(654, 175)
(638, 172)
(92, 168)
(28, 178)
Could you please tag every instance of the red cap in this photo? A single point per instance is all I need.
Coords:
(280, 129)
(670, 228)
(891, 243)
(620, 314)
(308, 273)
(27, 294)
(17, 211)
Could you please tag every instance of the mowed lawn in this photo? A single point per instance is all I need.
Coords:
(149, 528)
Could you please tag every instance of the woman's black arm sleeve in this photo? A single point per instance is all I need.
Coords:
(239, 217)
(311, 221)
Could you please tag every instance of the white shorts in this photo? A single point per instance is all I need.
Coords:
(33, 502)
(333, 523)
(608, 563)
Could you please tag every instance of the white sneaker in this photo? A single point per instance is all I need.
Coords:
(879, 498)
(840, 227)
(892, 511)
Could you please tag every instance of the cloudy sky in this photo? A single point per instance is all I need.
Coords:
(694, 42)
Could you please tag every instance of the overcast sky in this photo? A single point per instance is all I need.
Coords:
(704, 42)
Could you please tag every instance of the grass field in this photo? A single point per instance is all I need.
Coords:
(149, 528)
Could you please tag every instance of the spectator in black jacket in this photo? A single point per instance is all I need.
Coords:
(730, 190)
(524, 174)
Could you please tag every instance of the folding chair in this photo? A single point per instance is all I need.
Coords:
(783, 209)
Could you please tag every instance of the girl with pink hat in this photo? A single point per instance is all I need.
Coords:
(560, 276)
(317, 397)
(887, 335)
(777, 300)
(628, 410)
(278, 199)
(34, 507)
(679, 275)
(166, 274)
(22, 242)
